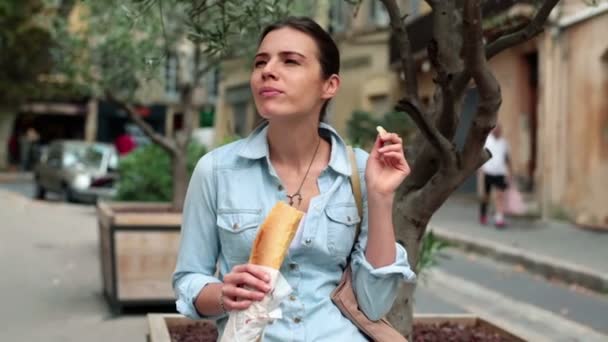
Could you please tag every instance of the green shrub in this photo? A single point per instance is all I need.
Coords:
(400, 123)
(145, 174)
(361, 128)
(430, 251)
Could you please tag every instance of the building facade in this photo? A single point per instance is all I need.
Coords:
(368, 81)
(555, 91)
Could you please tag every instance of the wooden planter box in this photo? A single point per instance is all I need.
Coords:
(467, 320)
(160, 324)
(138, 250)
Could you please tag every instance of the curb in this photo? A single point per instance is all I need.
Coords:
(520, 318)
(15, 177)
(566, 271)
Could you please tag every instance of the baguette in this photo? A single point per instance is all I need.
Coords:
(274, 236)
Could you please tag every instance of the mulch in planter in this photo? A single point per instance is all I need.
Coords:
(194, 332)
(453, 332)
(439, 332)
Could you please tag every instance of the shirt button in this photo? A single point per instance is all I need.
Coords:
(292, 298)
(293, 266)
(308, 241)
(297, 320)
(235, 226)
(348, 218)
(280, 187)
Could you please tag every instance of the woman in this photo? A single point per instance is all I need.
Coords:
(297, 158)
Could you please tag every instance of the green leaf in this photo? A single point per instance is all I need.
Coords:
(145, 173)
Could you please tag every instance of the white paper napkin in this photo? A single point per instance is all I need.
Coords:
(248, 325)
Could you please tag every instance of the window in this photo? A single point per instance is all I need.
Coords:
(212, 81)
(54, 156)
(171, 69)
(239, 97)
(337, 16)
(239, 115)
(378, 14)
(380, 104)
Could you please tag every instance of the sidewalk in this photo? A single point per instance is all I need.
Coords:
(51, 278)
(554, 249)
(51, 286)
(15, 177)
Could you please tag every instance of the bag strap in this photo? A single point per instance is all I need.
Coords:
(355, 184)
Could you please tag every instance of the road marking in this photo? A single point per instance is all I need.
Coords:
(523, 319)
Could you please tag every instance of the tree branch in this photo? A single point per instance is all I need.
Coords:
(199, 9)
(187, 99)
(430, 132)
(447, 33)
(405, 51)
(534, 28)
(476, 65)
(201, 72)
(506, 31)
(162, 141)
(182, 138)
(509, 38)
(445, 117)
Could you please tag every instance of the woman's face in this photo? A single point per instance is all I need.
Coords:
(287, 80)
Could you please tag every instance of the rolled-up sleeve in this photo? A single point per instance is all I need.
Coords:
(376, 288)
(199, 245)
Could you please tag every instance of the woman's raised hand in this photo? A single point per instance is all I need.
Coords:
(386, 167)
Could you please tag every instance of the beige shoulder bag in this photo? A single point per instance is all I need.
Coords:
(344, 295)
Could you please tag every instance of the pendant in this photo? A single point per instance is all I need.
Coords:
(291, 198)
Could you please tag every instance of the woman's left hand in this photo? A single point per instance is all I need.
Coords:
(386, 167)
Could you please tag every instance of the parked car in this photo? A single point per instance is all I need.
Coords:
(79, 171)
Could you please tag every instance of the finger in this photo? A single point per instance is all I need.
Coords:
(391, 148)
(392, 157)
(234, 305)
(248, 280)
(377, 145)
(243, 293)
(396, 160)
(254, 270)
(258, 272)
(391, 138)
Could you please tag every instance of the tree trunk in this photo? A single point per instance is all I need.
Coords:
(458, 53)
(402, 314)
(7, 119)
(410, 225)
(179, 173)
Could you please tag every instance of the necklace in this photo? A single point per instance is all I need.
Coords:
(298, 194)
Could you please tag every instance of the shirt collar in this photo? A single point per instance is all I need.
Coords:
(256, 147)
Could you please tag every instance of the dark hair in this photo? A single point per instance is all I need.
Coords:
(329, 55)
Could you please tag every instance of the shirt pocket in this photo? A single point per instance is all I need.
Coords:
(342, 220)
(237, 231)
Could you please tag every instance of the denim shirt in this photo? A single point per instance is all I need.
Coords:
(230, 193)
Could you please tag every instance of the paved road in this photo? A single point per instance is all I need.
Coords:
(24, 188)
(513, 282)
(51, 286)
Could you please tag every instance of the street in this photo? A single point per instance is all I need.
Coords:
(51, 288)
(22, 187)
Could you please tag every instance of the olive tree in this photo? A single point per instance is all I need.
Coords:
(459, 54)
(121, 47)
